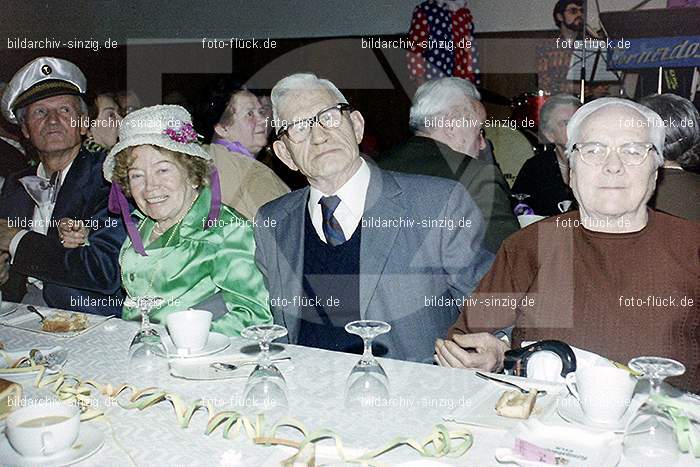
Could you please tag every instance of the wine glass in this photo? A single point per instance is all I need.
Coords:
(367, 382)
(266, 389)
(146, 351)
(649, 435)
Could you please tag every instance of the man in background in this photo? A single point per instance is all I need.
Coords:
(554, 58)
(447, 120)
(545, 177)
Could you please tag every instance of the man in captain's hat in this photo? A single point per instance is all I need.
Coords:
(45, 98)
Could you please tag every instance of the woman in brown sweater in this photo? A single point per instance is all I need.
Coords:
(615, 278)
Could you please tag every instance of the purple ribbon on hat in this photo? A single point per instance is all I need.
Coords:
(118, 204)
(215, 208)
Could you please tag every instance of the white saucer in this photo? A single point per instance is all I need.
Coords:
(570, 410)
(88, 443)
(216, 343)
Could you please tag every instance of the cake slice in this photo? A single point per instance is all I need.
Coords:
(514, 404)
(64, 321)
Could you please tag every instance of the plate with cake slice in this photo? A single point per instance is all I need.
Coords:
(58, 323)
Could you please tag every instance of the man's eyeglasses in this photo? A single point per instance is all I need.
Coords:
(572, 10)
(329, 119)
(629, 154)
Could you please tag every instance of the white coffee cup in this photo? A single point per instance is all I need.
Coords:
(43, 429)
(603, 392)
(189, 329)
(564, 205)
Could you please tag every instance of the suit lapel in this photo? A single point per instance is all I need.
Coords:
(376, 245)
(290, 260)
(69, 198)
(16, 203)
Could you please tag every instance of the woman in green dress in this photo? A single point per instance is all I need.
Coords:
(185, 247)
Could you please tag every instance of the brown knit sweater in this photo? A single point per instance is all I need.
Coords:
(619, 295)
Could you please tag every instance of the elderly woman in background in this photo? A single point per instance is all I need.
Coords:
(678, 186)
(187, 249)
(240, 131)
(614, 277)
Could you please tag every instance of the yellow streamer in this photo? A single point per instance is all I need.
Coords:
(441, 442)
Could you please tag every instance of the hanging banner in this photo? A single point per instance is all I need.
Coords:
(653, 52)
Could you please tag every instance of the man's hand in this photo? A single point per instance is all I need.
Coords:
(4, 267)
(487, 351)
(72, 233)
(6, 234)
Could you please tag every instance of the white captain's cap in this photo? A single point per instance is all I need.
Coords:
(41, 78)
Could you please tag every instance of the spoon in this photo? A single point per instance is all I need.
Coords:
(34, 310)
(540, 392)
(222, 366)
(53, 361)
(8, 313)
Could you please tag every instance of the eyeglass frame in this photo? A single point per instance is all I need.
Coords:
(311, 121)
(648, 146)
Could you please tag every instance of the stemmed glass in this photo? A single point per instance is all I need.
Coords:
(367, 381)
(649, 435)
(521, 208)
(266, 389)
(146, 351)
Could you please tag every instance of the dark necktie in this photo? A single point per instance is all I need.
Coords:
(331, 228)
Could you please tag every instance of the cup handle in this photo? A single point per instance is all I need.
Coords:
(46, 443)
(571, 385)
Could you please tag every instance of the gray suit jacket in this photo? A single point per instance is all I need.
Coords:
(418, 258)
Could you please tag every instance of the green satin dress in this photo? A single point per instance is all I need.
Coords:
(197, 264)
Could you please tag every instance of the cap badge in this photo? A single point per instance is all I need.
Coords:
(46, 70)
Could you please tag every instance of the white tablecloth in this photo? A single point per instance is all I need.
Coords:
(421, 395)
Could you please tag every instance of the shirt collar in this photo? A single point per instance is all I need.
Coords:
(41, 171)
(352, 193)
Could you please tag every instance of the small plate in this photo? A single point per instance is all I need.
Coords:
(216, 343)
(479, 408)
(579, 447)
(17, 354)
(570, 410)
(28, 321)
(89, 441)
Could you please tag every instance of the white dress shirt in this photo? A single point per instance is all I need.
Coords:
(352, 203)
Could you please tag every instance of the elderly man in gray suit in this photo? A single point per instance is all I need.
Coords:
(361, 242)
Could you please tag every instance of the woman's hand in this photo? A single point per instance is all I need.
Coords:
(73, 233)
